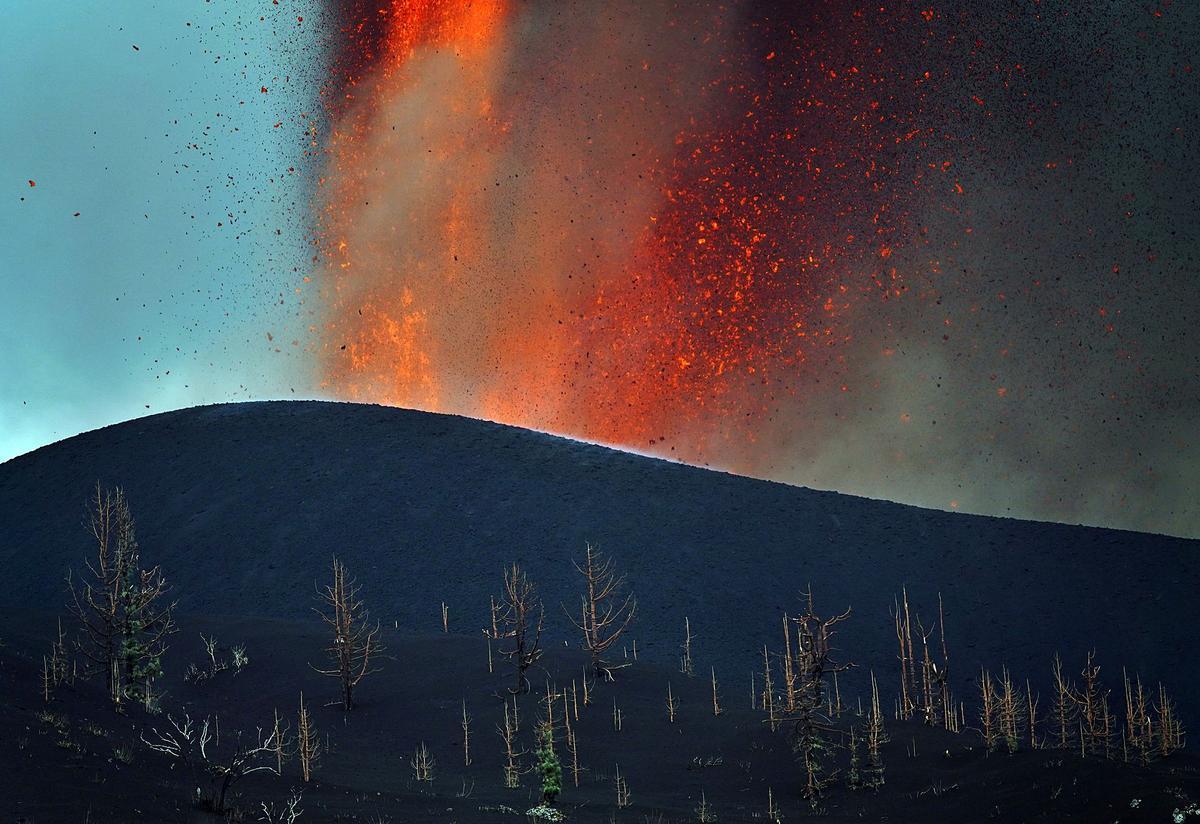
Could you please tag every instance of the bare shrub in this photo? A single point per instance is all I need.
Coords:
(197, 748)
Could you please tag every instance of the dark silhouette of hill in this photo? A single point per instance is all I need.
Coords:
(243, 505)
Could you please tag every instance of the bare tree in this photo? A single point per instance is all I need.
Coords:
(121, 608)
(1010, 711)
(308, 743)
(512, 755)
(1170, 728)
(514, 621)
(686, 665)
(355, 638)
(989, 712)
(622, 789)
(422, 763)
(876, 736)
(286, 812)
(1092, 702)
(1064, 709)
(466, 730)
(924, 684)
(195, 747)
(606, 610)
(813, 662)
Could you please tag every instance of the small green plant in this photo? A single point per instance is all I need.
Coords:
(549, 767)
(123, 754)
(1181, 814)
(704, 811)
(854, 776)
(216, 663)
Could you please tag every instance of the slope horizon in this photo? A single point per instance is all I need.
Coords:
(616, 447)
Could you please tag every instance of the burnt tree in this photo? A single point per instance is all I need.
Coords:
(514, 620)
(355, 639)
(121, 608)
(606, 609)
(197, 749)
(813, 659)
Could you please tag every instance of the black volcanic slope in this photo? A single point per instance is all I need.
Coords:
(244, 504)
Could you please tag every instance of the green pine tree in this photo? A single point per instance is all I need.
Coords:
(549, 766)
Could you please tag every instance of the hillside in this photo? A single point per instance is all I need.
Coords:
(77, 760)
(243, 505)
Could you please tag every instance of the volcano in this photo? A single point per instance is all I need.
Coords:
(244, 504)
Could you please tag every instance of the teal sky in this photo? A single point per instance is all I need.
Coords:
(143, 303)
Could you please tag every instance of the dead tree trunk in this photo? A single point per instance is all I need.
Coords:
(604, 613)
(810, 727)
(355, 640)
(519, 606)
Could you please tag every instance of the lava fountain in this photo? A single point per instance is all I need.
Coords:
(647, 224)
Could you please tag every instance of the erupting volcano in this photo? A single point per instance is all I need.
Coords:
(918, 276)
(659, 237)
(857, 247)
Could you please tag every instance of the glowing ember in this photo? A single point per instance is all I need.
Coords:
(645, 247)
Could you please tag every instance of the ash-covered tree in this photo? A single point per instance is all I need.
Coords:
(517, 610)
(355, 643)
(123, 613)
(811, 728)
(606, 609)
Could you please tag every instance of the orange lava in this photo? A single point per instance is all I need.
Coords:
(661, 298)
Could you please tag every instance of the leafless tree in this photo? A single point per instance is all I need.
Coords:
(908, 667)
(622, 789)
(1092, 701)
(308, 743)
(121, 608)
(924, 684)
(514, 621)
(768, 691)
(355, 639)
(1064, 709)
(1010, 711)
(286, 812)
(989, 712)
(196, 747)
(606, 610)
(686, 665)
(813, 662)
(1170, 728)
(876, 736)
(422, 763)
(512, 754)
